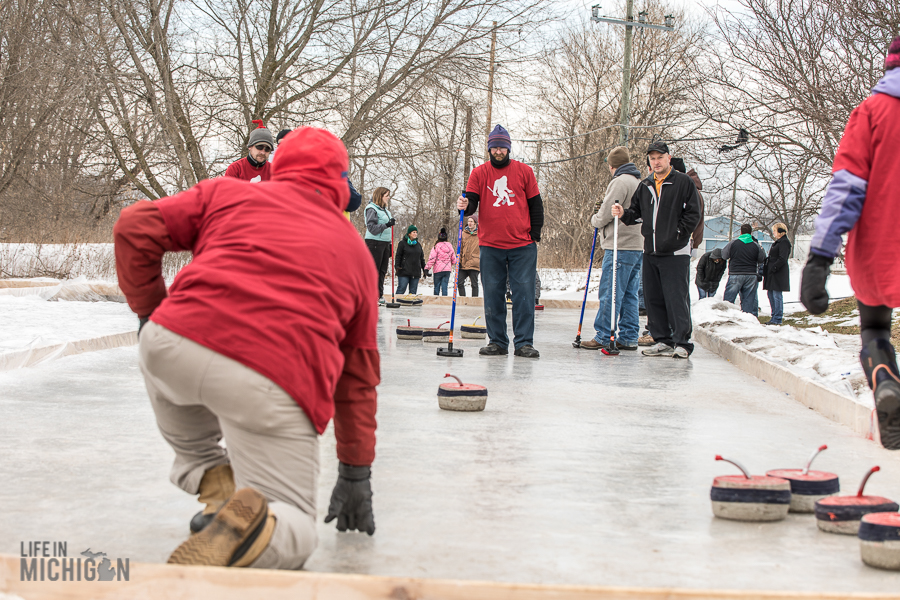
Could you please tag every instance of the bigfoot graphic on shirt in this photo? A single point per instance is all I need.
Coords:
(502, 193)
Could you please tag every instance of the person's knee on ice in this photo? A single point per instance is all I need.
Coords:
(270, 522)
(511, 218)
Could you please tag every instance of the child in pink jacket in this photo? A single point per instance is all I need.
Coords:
(440, 262)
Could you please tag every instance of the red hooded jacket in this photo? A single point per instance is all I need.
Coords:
(262, 292)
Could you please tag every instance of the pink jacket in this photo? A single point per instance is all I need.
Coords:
(441, 258)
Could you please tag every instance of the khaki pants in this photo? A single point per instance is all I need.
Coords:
(199, 396)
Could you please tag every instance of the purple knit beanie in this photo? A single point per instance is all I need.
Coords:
(892, 60)
(499, 138)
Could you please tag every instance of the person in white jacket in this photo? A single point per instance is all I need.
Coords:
(626, 178)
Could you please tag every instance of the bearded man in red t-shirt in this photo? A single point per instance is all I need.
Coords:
(255, 167)
(509, 227)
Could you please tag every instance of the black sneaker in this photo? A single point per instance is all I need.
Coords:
(527, 352)
(493, 350)
(880, 364)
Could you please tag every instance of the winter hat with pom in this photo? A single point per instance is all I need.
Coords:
(892, 60)
(442, 236)
(261, 135)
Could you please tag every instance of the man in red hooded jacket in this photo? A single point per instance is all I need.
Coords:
(256, 341)
(863, 201)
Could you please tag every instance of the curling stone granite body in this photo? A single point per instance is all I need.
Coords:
(842, 514)
(759, 498)
(473, 332)
(405, 332)
(435, 336)
(879, 540)
(466, 397)
(808, 489)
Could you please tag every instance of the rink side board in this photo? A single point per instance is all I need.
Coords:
(150, 581)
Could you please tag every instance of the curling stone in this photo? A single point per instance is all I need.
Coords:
(842, 514)
(461, 396)
(408, 332)
(410, 300)
(473, 331)
(436, 335)
(879, 540)
(808, 487)
(750, 497)
(538, 307)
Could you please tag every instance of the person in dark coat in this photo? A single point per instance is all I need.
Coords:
(410, 260)
(777, 278)
(710, 269)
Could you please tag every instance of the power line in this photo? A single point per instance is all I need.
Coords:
(571, 137)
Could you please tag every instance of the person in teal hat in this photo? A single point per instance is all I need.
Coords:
(410, 262)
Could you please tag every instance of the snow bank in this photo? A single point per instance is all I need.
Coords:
(813, 353)
(32, 321)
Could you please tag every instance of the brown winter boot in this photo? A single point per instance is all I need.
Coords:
(646, 340)
(216, 487)
(235, 537)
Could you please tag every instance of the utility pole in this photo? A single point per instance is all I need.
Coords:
(468, 166)
(490, 99)
(537, 172)
(629, 23)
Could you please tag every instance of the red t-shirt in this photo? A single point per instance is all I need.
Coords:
(242, 169)
(504, 221)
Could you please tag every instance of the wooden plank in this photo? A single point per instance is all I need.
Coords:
(151, 581)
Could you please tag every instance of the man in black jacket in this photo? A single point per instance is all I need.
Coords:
(744, 256)
(667, 205)
(710, 269)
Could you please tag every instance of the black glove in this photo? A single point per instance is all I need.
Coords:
(758, 278)
(141, 322)
(813, 294)
(351, 500)
(392, 222)
(425, 273)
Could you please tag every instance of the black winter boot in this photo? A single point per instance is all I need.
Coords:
(879, 361)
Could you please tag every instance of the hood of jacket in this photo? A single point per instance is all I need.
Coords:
(316, 159)
(627, 169)
(889, 84)
(716, 254)
(693, 175)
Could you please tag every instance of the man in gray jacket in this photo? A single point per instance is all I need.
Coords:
(626, 178)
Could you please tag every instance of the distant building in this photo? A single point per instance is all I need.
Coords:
(715, 233)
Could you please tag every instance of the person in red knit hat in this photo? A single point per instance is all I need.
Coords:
(255, 167)
(863, 200)
(256, 341)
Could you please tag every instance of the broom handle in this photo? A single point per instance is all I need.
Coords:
(456, 276)
(588, 284)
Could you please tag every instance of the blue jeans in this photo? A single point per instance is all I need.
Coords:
(628, 272)
(776, 301)
(745, 285)
(441, 279)
(641, 304)
(404, 281)
(517, 267)
(703, 293)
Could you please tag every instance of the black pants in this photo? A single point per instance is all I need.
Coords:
(667, 298)
(381, 252)
(874, 322)
(471, 275)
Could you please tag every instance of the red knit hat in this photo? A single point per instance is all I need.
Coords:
(892, 60)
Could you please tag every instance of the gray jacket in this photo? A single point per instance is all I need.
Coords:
(621, 188)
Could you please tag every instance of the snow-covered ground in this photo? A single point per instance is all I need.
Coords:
(32, 321)
(812, 352)
(561, 284)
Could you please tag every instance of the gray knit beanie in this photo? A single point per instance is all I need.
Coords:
(618, 157)
(261, 135)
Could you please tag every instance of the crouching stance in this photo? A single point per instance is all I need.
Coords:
(258, 343)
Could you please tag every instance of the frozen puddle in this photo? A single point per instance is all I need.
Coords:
(583, 469)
